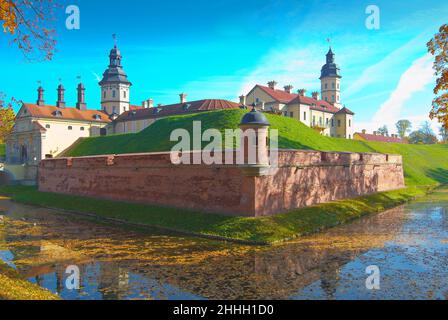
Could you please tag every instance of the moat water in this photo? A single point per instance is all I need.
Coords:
(408, 246)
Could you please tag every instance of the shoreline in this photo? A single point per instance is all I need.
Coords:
(262, 231)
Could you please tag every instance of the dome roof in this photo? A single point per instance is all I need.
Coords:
(255, 118)
(330, 69)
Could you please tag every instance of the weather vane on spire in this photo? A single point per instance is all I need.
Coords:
(114, 36)
(329, 41)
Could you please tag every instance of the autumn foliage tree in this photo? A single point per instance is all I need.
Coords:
(7, 116)
(438, 47)
(29, 22)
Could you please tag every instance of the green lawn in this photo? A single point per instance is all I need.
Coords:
(2, 150)
(423, 165)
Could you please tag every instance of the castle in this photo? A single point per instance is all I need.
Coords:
(327, 114)
(44, 131)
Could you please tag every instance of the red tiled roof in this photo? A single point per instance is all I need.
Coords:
(279, 95)
(131, 107)
(178, 108)
(48, 111)
(318, 105)
(291, 98)
(347, 111)
(380, 138)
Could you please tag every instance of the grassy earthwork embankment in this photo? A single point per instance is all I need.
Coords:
(425, 167)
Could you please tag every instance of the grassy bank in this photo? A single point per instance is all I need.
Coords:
(264, 230)
(2, 150)
(13, 287)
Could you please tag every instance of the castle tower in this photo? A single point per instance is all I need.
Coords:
(331, 81)
(115, 86)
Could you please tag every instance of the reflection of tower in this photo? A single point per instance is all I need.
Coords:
(109, 281)
(329, 281)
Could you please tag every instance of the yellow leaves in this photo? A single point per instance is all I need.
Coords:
(8, 16)
(438, 47)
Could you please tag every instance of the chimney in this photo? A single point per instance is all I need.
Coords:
(60, 103)
(183, 97)
(81, 104)
(150, 103)
(40, 96)
(302, 92)
(243, 100)
(364, 131)
(272, 84)
(288, 88)
(315, 95)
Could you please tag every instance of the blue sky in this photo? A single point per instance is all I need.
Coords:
(220, 49)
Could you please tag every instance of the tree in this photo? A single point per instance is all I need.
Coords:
(444, 134)
(438, 47)
(403, 127)
(425, 135)
(29, 22)
(383, 131)
(7, 117)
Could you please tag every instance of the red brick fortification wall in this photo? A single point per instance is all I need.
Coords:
(307, 178)
(302, 178)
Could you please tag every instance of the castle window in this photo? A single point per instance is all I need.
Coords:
(96, 117)
(304, 116)
(326, 99)
(327, 121)
(332, 85)
(326, 86)
(104, 94)
(338, 85)
(291, 114)
(57, 113)
(332, 98)
(124, 94)
(349, 123)
(113, 93)
(339, 123)
(82, 128)
(70, 127)
(332, 122)
(47, 126)
(314, 120)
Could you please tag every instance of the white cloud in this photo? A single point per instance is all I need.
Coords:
(298, 67)
(97, 77)
(376, 73)
(415, 79)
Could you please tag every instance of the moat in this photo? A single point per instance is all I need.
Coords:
(408, 244)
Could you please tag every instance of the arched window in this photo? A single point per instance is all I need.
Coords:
(70, 127)
(104, 94)
(113, 93)
(124, 94)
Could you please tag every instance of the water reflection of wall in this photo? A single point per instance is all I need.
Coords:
(271, 273)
